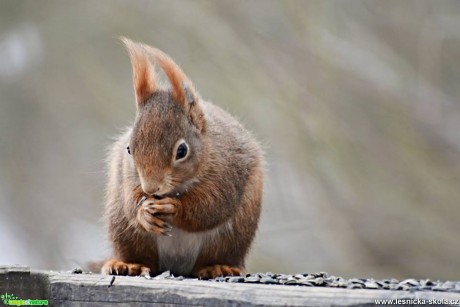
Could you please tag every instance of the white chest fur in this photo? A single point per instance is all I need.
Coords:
(179, 252)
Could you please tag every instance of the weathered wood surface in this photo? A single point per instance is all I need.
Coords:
(67, 289)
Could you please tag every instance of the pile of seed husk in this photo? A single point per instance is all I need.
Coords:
(325, 280)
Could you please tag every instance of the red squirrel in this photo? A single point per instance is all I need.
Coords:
(184, 182)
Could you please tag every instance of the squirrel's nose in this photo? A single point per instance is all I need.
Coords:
(150, 188)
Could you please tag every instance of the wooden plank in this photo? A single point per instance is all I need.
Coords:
(15, 268)
(84, 290)
(67, 289)
(18, 280)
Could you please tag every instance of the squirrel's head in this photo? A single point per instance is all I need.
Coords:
(168, 139)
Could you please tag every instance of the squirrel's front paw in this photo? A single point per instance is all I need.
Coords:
(116, 267)
(153, 212)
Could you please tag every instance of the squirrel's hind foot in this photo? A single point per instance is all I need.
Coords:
(217, 270)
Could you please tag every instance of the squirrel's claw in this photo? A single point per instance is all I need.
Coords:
(116, 267)
(166, 233)
(218, 270)
(151, 213)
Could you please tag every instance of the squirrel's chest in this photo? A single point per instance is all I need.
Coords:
(179, 252)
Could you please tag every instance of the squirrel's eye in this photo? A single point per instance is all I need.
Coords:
(182, 151)
(128, 149)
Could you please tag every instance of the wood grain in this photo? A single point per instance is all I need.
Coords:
(67, 289)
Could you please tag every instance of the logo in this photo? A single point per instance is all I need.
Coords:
(10, 299)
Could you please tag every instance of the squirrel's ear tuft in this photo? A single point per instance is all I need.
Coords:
(143, 72)
(182, 88)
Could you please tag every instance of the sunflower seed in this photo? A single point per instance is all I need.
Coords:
(252, 279)
(371, 285)
(268, 280)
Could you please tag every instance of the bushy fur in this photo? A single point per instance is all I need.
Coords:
(211, 200)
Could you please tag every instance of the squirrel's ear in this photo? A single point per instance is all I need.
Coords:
(182, 88)
(143, 72)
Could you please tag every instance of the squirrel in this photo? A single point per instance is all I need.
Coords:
(185, 181)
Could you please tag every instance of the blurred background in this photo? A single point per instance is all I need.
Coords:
(356, 103)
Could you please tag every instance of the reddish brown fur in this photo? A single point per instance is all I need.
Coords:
(178, 80)
(143, 73)
(175, 75)
(211, 199)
